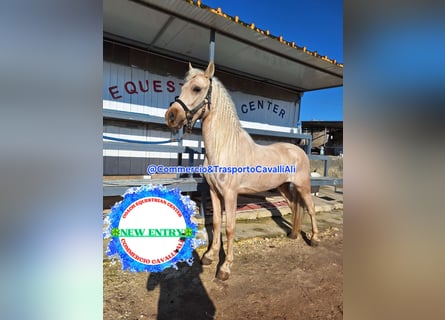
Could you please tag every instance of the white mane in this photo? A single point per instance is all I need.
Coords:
(225, 119)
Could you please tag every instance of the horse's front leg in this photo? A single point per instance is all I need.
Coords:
(213, 252)
(230, 201)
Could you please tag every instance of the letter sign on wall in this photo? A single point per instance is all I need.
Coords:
(134, 86)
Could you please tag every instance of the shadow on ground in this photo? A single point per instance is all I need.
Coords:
(191, 301)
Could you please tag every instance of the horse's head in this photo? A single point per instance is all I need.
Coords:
(194, 101)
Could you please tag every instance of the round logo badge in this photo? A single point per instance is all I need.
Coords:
(151, 229)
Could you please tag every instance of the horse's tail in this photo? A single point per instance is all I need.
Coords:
(289, 192)
(298, 213)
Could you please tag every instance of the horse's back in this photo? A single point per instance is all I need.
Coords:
(284, 151)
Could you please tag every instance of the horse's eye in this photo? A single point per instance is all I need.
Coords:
(197, 89)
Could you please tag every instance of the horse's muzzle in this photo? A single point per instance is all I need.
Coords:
(170, 117)
(174, 119)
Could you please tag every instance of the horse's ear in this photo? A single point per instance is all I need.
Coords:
(190, 66)
(210, 70)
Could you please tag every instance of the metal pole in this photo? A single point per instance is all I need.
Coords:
(212, 45)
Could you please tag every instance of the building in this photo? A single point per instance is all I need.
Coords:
(326, 134)
(147, 47)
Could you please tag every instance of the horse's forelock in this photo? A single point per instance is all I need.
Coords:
(192, 72)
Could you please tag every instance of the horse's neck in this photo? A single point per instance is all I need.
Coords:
(222, 132)
(223, 140)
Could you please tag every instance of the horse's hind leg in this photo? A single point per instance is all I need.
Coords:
(306, 197)
(288, 192)
(217, 212)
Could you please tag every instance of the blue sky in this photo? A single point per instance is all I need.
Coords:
(316, 24)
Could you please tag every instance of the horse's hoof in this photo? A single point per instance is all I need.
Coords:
(206, 261)
(222, 275)
(314, 242)
(292, 236)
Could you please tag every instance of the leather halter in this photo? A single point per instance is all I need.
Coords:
(190, 113)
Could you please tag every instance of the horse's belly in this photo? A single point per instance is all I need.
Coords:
(247, 183)
(261, 182)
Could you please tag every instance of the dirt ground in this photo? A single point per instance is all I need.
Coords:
(272, 278)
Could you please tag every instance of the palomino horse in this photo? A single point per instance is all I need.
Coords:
(229, 145)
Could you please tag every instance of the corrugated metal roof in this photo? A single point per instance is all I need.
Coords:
(322, 124)
(181, 28)
(263, 32)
